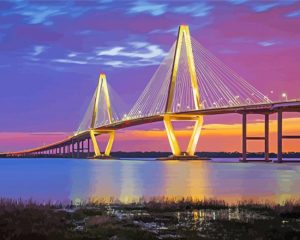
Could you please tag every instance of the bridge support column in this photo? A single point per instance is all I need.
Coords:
(82, 146)
(68, 150)
(191, 148)
(88, 147)
(279, 136)
(106, 153)
(244, 136)
(73, 149)
(267, 137)
(78, 148)
(64, 150)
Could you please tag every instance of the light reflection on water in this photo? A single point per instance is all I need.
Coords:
(129, 180)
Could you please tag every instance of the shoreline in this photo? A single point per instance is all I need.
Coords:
(207, 219)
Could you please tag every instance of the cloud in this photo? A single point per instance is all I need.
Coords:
(38, 50)
(36, 13)
(72, 54)
(143, 54)
(155, 9)
(133, 54)
(69, 61)
(146, 7)
(138, 44)
(39, 12)
(294, 14)
(195, 10)
(115, 63)
(265, 6)
(173, 30)
(237, 2)
(115, 51)
(127, 64)
(267, 43)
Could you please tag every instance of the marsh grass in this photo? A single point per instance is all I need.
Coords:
(21, 219)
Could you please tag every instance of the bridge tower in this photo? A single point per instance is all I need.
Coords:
(102, 89)
(183, 37)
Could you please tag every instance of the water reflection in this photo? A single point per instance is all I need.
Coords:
(130, 183)
(190, 179)
(127, 181)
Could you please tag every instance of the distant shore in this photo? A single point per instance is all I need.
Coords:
(164, 219)
(155, 154)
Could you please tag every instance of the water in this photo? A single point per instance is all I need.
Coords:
(128, 180)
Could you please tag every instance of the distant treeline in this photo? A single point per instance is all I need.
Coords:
(153, 154)
(200, 154)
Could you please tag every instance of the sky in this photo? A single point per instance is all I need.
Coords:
(52, 52)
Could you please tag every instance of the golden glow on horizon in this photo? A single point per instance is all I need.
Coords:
(229, 136)
(291, 125)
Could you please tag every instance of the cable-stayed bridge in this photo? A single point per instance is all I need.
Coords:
(189, 84)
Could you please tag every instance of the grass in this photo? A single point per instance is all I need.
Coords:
(154, 219)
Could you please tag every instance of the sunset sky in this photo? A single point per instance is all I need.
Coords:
(51, 54)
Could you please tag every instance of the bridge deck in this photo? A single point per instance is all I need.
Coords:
(251, 109)
(266, 108)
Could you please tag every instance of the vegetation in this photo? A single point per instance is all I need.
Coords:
(154, 219)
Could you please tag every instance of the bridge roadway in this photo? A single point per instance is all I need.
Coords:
(265, 109)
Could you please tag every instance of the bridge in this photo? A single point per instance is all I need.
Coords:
(189, 84)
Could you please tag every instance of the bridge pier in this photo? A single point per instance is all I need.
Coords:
(82, 147)
(98, 152)
(73, 149)
(267, 134)
(78, 148)
(279, 136)
(245, 137)
(68, 149)
(189, 154)
(88, 147)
